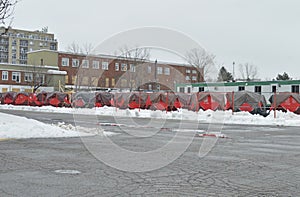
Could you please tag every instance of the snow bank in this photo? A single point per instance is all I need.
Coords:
(20, 127)
(226, 117)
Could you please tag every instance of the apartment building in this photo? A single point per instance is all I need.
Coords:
(15, 43)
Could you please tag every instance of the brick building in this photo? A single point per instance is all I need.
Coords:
(100, 72)
(103, 72)
(24, 78)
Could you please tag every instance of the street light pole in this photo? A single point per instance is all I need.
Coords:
(233, 70)
(155, 74)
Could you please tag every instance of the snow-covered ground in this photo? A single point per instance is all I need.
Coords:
(226, 117)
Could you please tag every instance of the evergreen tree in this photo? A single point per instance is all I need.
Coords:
(224, 75)
(284, 76)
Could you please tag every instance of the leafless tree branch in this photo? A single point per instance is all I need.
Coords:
(6, 9)
(200, 59)
(248, 71)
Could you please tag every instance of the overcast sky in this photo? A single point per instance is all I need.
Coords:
(265, 33)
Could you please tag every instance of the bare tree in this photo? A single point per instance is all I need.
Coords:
(6, 9)
(36, 77)
(134, 56)
(86, 48)
(202, 60)
(74, 48)
(248, 71)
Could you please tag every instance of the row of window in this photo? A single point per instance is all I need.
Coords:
(28, 77)
(16, 76)
(258, 89)
(105, 66)
(188, 78)
(189, 71)
(31, 36)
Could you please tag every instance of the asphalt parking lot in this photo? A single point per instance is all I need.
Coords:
(252, 161)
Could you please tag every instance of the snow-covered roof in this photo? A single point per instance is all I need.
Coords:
(56, 72)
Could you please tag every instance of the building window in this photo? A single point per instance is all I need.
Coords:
(150, 87)
(181, 89)
(149, 69)
(65, 61)
(241, 88)
(194, 78)
(117, 67)
(159, 70)
(74, 79)
(16, 77)
(28, 77)
(295, 88)
(123, 83)
(132, 68)
(107, 82)
(66, 79)
(201, 89)
(187, 78)
(96, 64)
(40, 78)
(75, 62)
(4, 75)
(189, 90)
(85, 64)
(274, 88)
(194, 71)
(123, 67)
(105, 65)
(188, 71)
(167, 71)
(257, 89)
(113, 82)
(52, 47)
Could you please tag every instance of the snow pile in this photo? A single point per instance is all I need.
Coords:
(222, 117)
(20, 127)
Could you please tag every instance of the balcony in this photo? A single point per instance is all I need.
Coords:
(24, 44)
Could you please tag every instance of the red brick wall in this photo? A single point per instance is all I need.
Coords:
(141, 76)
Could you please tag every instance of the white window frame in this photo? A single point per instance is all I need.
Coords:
(194, 78)
(132, 68)
(4, 76)
(105, 65)
(85, 64)
(96, 64)
(117, 66)
(28, 77)
(188, 71)
(16, 76)
(65, 61)
(159, 70)
(149, 69)
(167, 71)
(75, 62)
(123, 67)
(194, 71)
(187, 78)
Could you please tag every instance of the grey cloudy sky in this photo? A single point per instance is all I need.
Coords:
(262, 32)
